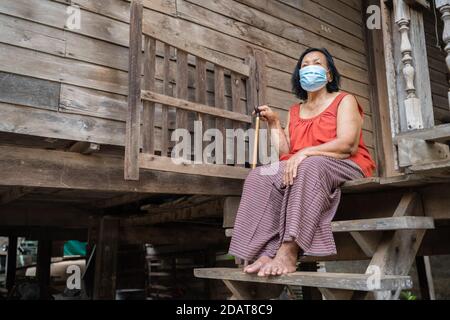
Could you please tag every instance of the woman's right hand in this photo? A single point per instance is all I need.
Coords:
(267, 114)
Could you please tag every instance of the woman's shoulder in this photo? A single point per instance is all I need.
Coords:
(295, 108)
(350, 100)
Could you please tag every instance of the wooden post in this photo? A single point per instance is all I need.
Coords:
(11, 261)
(148, 137)
(380, 101)
(132, 142)
(106, 259)
(444, 7)
(416, 107)
(44, 255)
(425, 278)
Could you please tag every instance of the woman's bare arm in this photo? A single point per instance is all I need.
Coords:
(279, 137)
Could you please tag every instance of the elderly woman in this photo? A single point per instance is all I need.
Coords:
(289, 212)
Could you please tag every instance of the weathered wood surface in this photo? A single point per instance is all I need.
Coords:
(67, 170)
(133, 119)
(93, 59)
(345, 281)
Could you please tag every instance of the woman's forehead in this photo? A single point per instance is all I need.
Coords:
(314, 56)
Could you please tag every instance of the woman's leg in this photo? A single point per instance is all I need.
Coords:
(309, 206)
(256, 234)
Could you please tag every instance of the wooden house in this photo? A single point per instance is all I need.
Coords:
(91, 92)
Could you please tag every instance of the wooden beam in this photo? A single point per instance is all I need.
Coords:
(44, 255)
(195, 107)
(209, 209)
(106, 259)
(381, 117)
(132, 140)
(66, 170)
(11, 263)
(439, 133)
(426, 284)
(13, 194)
(152, 162)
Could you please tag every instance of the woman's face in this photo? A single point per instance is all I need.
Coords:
(318, 59)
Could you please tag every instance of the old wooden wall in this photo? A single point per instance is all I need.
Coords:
(438, 67)
(72, 84)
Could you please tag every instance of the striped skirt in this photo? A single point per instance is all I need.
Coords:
(271, 214)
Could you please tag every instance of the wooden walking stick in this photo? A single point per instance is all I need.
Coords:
(255, 147)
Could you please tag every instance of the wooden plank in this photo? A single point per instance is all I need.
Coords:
(72, 171)
(16, 89)
(219, 103)
(237, 106)
(344, 281)
(195, 107)
(413, 151)
(106, 259)
(201, 98)
(167, 90)
(150, 162)
(148, 136)
(182, 93)
(49, 124)
(384, 224)
(133, 124)
(437, 134)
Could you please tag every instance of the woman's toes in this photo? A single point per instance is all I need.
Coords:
(275, 271)
(252, 268)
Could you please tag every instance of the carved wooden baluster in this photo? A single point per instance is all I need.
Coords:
(412, 103)
(444, 7)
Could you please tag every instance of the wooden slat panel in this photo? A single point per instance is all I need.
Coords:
(148, 142)
(134, 94)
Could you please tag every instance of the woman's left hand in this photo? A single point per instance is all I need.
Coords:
(291, 170)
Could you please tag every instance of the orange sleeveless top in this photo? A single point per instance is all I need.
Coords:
(321, 129)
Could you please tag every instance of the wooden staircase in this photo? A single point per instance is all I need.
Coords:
(391, 242)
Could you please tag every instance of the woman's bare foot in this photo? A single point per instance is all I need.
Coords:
(257, 265)
(284, 263)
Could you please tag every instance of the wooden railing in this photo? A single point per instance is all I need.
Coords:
(212, 90)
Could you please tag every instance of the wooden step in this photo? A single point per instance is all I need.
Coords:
(384, 224)
(343, 281)
(379, 224)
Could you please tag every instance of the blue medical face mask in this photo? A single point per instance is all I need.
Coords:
(313, 78)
